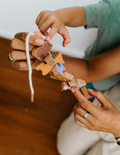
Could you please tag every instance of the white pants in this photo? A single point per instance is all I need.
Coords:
(73, 139)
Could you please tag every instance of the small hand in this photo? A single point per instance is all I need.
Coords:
(18, 51)
(104, 118)
(53, 20)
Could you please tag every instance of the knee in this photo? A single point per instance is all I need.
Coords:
(64, 137)
(64, 143)
(61, 144)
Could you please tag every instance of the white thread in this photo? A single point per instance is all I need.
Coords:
(28, 62)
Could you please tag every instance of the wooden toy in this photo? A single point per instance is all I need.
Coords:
(54, 65)
(49, 62)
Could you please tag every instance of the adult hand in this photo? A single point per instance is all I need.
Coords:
(53, 20)
(18, 50)
(105, 118)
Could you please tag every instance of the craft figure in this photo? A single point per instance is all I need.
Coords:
(54, 65)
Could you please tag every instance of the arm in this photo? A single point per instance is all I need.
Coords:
(72, 17)
(95, 69)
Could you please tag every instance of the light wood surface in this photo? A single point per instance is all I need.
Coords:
(29, 128)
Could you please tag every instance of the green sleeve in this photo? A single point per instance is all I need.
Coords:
(102, 13)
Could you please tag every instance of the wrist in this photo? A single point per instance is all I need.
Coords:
(116, 133)
(117, 137)
(115, 128)
(62, 15)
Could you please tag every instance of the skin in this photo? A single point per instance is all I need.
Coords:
(95, 69)
(57, 20)
(104, 118)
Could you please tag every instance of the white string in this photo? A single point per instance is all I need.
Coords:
(28, 62)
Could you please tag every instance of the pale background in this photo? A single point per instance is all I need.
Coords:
(20, 15)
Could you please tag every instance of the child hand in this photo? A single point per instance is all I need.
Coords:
(104, 118)
(53, 20)
(18, 50)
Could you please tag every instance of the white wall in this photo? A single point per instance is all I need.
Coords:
(20, 15)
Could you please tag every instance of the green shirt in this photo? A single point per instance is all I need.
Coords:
(106, 17)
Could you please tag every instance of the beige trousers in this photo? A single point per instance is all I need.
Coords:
(73, 139)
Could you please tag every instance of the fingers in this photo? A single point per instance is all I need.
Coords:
(39, 17)
(64, 33)
(22, 65)
(81, 111)
(35, 40)
(49, 19)
(38, 34)
(44, 22)
(19, 55)
(87, 105)
(52, 32)
(79, 119)
(81, 124)
(100, 118)
(19, 45)
(101, 98)
(66, 41)
(43, 27)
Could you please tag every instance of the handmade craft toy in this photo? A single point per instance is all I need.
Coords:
(52, 64)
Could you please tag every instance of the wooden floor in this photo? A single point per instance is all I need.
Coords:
(29, 128)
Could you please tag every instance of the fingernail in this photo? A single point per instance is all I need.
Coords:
(39, 41)
(72, 90)
(48, 38)
(22, 65)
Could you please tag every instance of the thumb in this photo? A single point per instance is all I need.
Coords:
(100, 97)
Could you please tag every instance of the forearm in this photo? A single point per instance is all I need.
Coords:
(94, 69)
(76, 66)
(104, 65)
(73, 16)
